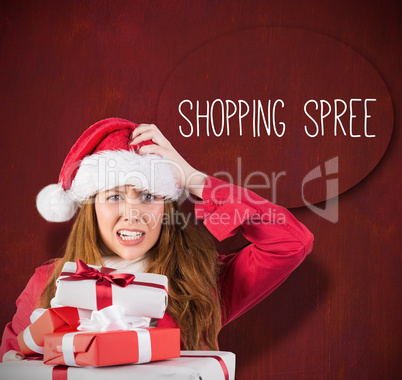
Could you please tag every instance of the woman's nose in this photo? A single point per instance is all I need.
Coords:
(131, 212)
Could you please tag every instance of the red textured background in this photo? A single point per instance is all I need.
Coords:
(65, 65)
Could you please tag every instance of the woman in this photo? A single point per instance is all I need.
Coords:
(127, 179)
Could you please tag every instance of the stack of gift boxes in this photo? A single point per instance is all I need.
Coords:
(101, 317)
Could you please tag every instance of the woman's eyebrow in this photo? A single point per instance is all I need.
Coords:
(124, 190)
(115, 190)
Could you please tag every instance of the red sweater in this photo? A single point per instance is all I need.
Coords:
(279, 243)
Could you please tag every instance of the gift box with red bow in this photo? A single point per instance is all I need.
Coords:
(140, 294)
(208, 365)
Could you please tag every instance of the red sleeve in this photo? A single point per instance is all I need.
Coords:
(279, 243)
(26, 303)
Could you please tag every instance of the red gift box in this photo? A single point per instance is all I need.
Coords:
(112, 347)
(31, 340)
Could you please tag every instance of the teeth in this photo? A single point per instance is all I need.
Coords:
(130, 235)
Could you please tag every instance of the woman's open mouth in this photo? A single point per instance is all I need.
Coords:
(129, 235)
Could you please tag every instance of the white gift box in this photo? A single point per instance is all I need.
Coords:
(146, 297)
(194, 365)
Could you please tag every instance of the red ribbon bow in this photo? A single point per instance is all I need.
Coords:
(104, 280)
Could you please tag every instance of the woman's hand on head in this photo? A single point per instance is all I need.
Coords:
(12, 356)
(186, 176)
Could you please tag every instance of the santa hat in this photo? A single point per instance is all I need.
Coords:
(100, 160)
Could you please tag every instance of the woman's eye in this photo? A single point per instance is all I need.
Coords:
(114, 198)
(147, 197)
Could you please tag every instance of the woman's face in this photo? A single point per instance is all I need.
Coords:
(129, 221)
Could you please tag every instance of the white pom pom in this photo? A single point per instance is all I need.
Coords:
(54, 204)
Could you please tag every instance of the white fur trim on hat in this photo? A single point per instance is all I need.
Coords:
(104, 171)
(109, 169)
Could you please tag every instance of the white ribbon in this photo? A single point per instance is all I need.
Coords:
(27, 336)
(144, 346)
(68, 349)
(111, 318)
(36, 314)
(31, 343)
